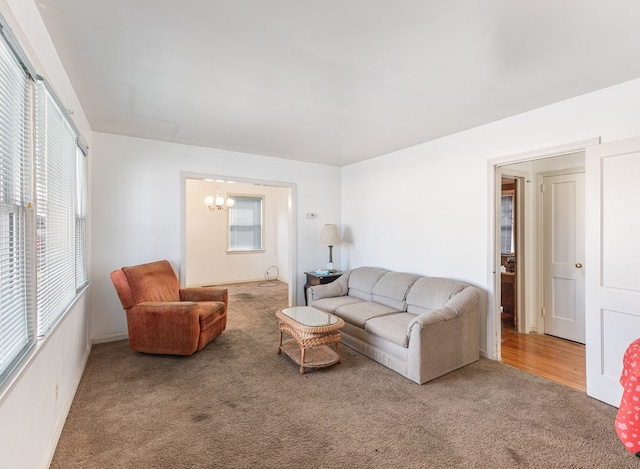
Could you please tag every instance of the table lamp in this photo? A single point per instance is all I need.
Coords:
(331, 237)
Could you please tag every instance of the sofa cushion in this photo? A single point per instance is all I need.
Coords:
(429, 293)
(359, 313)
(362, 281)
(392, 288)
(393, 327)
(332, 303)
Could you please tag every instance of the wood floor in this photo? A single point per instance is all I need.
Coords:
(556, 359)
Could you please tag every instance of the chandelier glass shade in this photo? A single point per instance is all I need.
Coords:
(218, 202)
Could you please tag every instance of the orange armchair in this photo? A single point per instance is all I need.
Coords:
(164, 318)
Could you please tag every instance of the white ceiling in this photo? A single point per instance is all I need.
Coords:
(332, 81)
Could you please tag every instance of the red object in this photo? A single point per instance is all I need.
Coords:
(164, 318)
(628, 417)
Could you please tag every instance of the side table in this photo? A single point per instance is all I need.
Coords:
(319, 279)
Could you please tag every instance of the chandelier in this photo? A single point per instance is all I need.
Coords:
(218, 202)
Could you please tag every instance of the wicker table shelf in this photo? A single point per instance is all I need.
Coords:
(312, 332)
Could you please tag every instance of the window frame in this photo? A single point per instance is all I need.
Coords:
(14, 364)
(17, 315)
(507, 221)
(238, 198)
(55, 202)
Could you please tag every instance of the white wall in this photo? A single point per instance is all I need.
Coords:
(137, 209)
(207, 260)
(33, 413)
(425, 209)
(35, 402)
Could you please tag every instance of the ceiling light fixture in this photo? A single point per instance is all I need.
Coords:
(218, 202)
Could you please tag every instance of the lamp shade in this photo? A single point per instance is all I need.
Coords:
(330, 235)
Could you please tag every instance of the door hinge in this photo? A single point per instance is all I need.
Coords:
(544, 312)
(541, 187)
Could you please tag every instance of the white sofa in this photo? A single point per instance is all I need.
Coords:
(421, 327)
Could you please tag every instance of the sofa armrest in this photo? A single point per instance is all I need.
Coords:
(432, 317)
(445, 339)
(336, 288)
(326, 290)
(458, 305)
(205, 294)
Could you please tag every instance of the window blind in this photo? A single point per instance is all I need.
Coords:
(55, 167)
(15, 314)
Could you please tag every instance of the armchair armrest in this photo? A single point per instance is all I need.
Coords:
(170, 312)
(205, 294)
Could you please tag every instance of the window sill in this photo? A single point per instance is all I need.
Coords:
(245, 251)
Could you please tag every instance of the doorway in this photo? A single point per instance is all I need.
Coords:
(243, 243)
(509, 242)
(520, 260)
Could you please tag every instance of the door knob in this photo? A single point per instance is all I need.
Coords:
(579, 266)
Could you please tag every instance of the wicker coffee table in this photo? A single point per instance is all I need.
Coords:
(312, 333)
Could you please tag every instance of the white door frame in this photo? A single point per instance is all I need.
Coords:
(293, 281)
(493, 304)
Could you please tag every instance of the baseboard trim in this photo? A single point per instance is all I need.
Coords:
(109, 338)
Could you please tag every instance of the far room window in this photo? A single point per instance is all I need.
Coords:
(246, 223)
(506, 224)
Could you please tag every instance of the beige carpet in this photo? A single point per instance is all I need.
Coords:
(238, 404)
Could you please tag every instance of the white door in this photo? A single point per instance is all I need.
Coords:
(564, 274)
(612, 262)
